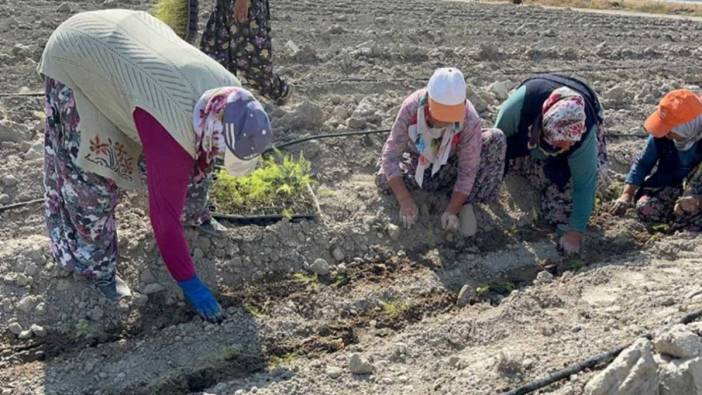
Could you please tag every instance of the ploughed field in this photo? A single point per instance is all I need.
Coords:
(350, 303)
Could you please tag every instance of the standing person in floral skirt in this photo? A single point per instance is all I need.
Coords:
(238, 36)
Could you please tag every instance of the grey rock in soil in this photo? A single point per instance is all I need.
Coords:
(633, 372)
(679, 342)
(393, 231)
(681, 377)
(24, 335)
(38, 330)
(360, 365)
(320, 267)
(466, 293)
(333, 371)
(338, 254)
(543, 277)
(27, 304)
(15, 328)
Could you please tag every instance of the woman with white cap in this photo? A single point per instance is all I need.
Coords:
(674, 150)
(555, 137)
(436, 144)
(125, 96)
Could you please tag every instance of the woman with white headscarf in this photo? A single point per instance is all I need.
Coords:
(674, 149)
(555, 138)
(436, 145)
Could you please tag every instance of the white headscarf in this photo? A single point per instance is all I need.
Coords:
(691, 133)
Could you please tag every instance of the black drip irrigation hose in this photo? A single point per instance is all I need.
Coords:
(26, 94)
(614, 134)
(325, 136)
(21, 204)
(595, 360)
(263, 220)
(281, 147)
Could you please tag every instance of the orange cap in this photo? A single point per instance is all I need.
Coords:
(446, 112)
(677, 108)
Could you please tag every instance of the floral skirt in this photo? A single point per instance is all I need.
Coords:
(80, 206)
(244, 46)
(486, 187)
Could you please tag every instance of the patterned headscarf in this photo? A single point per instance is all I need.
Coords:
(563, 116)
(207, 122)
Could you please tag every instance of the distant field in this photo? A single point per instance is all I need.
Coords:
(693, 8)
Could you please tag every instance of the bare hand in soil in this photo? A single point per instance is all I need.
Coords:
(241, 10)
(408, 212)
(619, 206)
(570, 242)
(450, 221)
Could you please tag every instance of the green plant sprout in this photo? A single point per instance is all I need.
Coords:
(253, 310)
(229, 353)
(660, 228)
(282, 360)
(305, 279)
(279, 186)
(393, 308)
(503, 288)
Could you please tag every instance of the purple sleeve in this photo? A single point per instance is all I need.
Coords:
(397, 142)
(468, 151)
(168, 168)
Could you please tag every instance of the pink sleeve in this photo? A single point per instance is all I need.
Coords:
(468, 151)
(397, 141)
(168, 168)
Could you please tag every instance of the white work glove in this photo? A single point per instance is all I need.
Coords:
(408, 212)
(570, 242)
(450, 222)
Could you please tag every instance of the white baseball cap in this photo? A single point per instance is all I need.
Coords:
(447, 95)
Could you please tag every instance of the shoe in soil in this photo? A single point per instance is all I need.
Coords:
(212, 228)
(283, 99)
(114, 289)
(469, 224)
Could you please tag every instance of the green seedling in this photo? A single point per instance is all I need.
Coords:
(503, 288)
(575, 264)
(282, 360)
(279, 186)
(229, 353)
(84, 330)
(393, 308)
(253, 310)
(173, 13)
(341, 279)
(482, 290)
(305, 279)
(660, 228)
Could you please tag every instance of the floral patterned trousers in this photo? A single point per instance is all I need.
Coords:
(80, 206)
(244, 46)
(557, 204)
(486, 187)
(655, 205)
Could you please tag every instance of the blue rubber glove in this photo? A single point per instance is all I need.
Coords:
(201, 299)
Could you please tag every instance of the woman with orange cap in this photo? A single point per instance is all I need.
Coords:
(674, 149)
(436, 144)
(555, 138)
